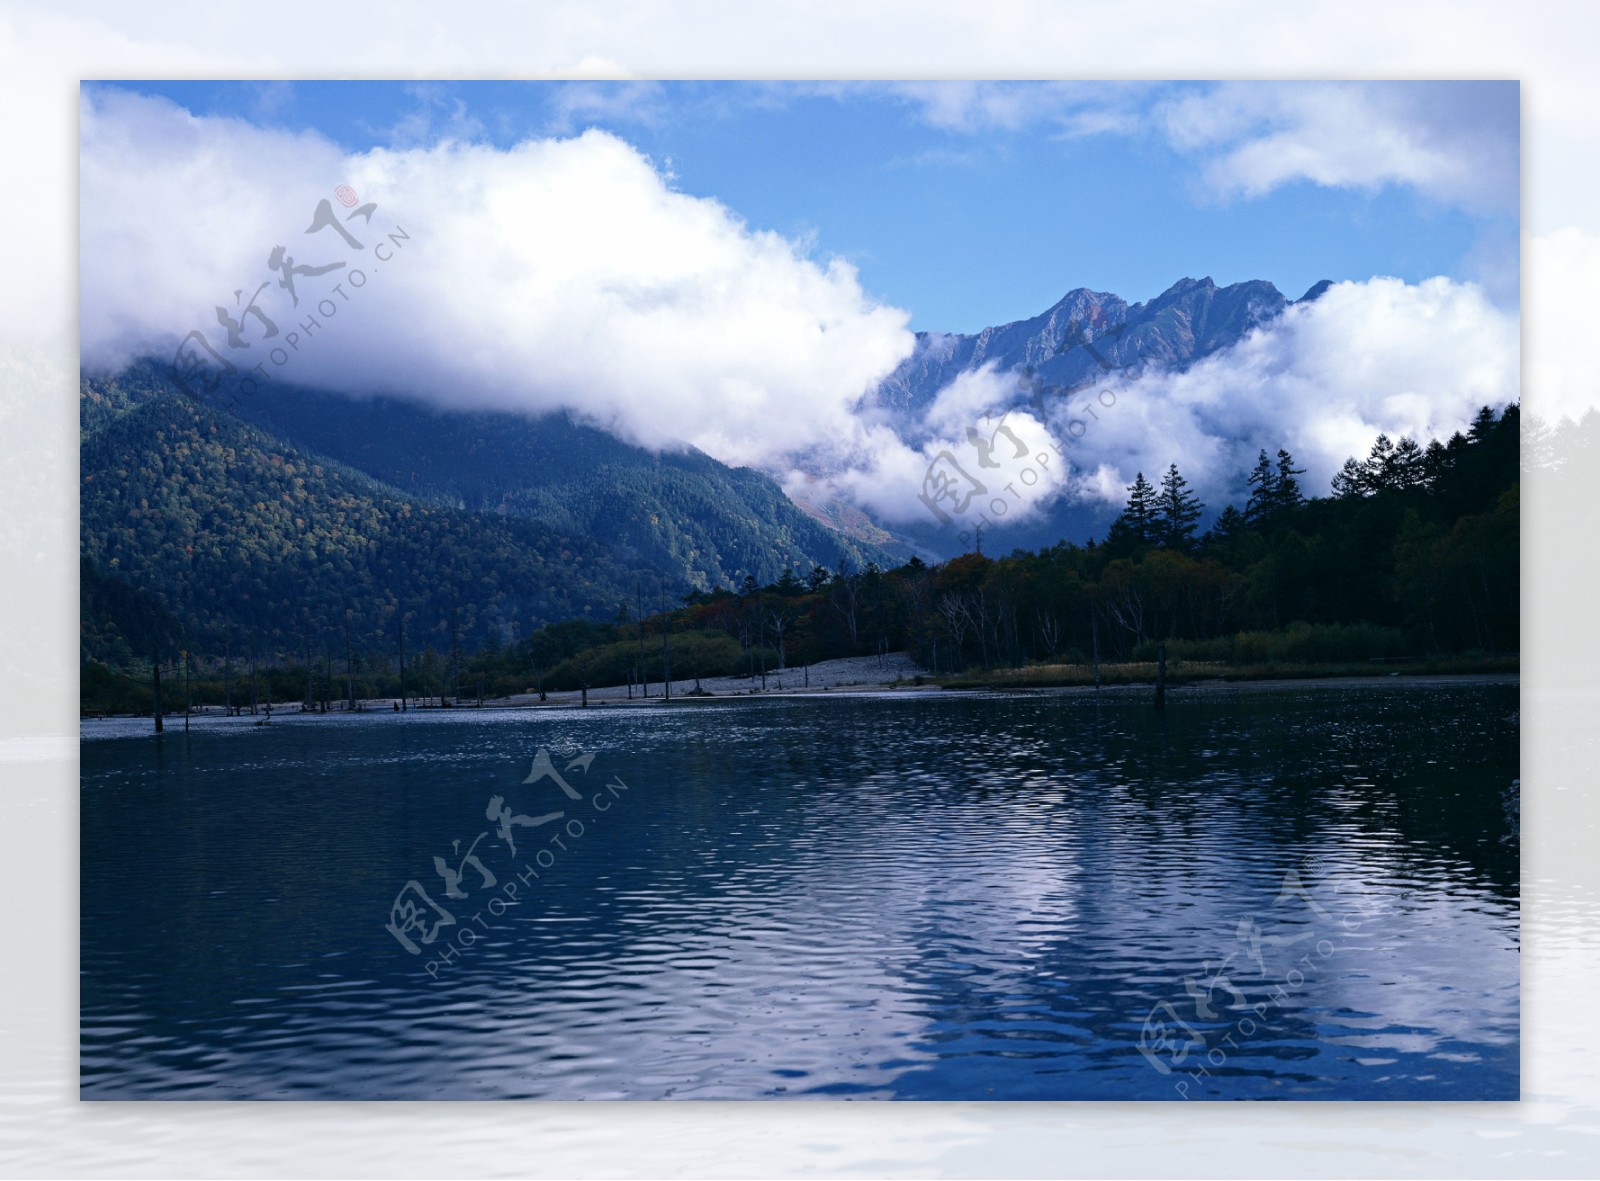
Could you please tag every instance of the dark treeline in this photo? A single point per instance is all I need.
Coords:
(1413, 553)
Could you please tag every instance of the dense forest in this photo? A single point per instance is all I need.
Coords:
(201, 530)
(1412, 553)
(245, 540)
(680, 512)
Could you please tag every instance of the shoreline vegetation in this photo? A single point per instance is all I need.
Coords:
(1180, 673)
(1410, 566)
(896, 672)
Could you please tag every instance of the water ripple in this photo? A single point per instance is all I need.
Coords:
(962, 897)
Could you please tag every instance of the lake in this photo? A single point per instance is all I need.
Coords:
(1262, 893)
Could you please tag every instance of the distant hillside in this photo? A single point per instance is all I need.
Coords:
(268, 522)
(253, 540)
(680, 511)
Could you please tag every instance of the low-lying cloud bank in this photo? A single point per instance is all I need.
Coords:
(1323, 380)
(569, 274)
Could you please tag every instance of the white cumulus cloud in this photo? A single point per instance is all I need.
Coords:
(560, 274)
(567, 274)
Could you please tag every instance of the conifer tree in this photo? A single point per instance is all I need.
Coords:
(1408, 464)
(1177, 511)
(1380, 464)
(1138, 520)
(1352, 479)
(1435, 462)
(1229, 525)
(1263, 492)
(1286, 495)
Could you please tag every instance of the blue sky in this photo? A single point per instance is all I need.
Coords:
(974, 204)
(738, 267)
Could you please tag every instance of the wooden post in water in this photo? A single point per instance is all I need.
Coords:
(402, 663)
(1161, 675)
(644, 671)
(666, 662)
(155, 690)
(455, 645)
(1094, 635)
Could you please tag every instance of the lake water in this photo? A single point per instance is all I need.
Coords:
(1302, 894)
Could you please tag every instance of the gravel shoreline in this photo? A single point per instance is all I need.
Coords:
(848, 676)
(896, 669)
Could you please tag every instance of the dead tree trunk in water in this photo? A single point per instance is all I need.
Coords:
(402, 664)
(455, 645)
(349, 675)
(155, 690)
(1161, 676)
(644, 671)
(666, 662)
(1094, 636)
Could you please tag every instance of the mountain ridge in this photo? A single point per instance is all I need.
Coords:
(545, 496)
(1086, 331)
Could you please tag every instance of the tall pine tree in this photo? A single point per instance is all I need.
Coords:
(1138, 520)
(1263, 493)
(1380, 464)
(1177, 511)
(1352, 480)
(1407, 466)
(1286, 495)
